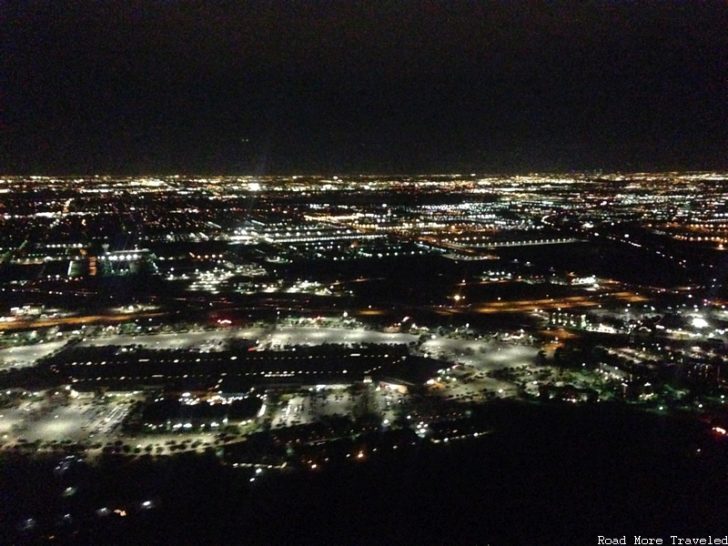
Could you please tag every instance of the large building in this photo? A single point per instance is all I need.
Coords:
(127, 262)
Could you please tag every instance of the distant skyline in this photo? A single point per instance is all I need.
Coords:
(354, 87)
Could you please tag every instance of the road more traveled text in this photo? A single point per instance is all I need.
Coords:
(672, 540)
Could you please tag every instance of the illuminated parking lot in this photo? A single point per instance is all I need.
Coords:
(78, 420)
(27, 355)
(316, 336)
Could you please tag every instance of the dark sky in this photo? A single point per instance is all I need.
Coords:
(264, 87)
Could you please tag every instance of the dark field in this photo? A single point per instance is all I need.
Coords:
(547, 475)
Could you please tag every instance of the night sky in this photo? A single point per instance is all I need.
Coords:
(336, 87)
